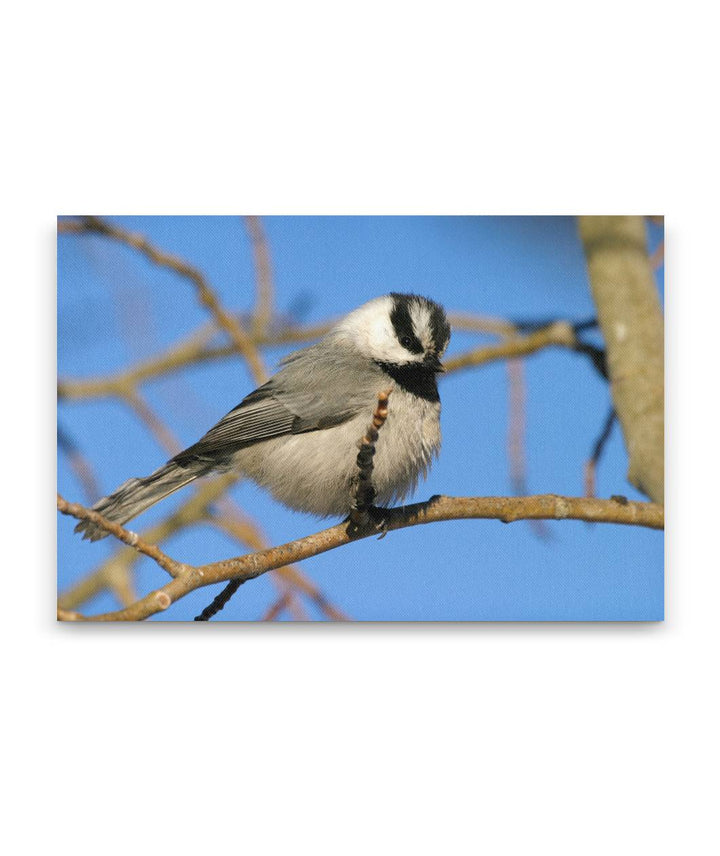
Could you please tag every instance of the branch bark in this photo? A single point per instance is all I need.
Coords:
(624, 290)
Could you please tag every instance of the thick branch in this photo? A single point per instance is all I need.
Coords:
(630, 316)
(506, 509)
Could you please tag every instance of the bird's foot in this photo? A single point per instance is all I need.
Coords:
(368, 521)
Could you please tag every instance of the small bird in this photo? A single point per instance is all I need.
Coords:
(297, 435)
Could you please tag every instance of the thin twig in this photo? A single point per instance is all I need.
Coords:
(598, 448)
(193, 350)
(657, 259)
(516, 437)
(219, 602)
(295, 605)
(516, 425)
(132, 539)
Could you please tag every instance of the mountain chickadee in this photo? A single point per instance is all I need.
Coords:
(297, 434)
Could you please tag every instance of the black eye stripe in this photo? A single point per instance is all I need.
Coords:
(402, 324)
(439, 328)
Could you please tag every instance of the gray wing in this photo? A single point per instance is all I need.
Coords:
(309, 394)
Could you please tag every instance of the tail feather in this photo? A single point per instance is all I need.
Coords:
(135, 495)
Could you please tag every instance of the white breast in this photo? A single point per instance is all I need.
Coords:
(315, 472)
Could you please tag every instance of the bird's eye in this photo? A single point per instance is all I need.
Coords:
(406, 342)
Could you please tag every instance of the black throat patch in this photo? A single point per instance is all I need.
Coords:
(413, 378)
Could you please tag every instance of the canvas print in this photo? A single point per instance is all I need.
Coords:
(423, 418)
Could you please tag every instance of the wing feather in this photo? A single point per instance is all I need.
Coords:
(303, 396)
(257, 417)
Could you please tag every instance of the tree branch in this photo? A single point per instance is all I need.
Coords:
(558, 333)
(624, 290)
(193, 510)
(252, 565)
(248, 532)
(132, 539)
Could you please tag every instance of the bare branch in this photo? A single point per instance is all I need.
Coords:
(520, 340)
(192, 511)
(252, 565)
(468, 322)
(516, 436)
(559, 333)
(132, 539)
(218, 603)
(516, 425)
(657, 259)
(277, 607)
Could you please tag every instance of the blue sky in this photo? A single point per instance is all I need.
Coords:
(114, 308)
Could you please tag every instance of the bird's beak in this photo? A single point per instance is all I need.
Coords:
(432, 362)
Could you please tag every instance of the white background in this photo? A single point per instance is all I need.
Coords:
(359, 739)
